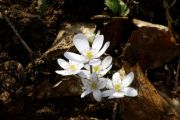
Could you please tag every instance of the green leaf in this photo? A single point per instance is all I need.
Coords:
(112, 5)
(118, 7)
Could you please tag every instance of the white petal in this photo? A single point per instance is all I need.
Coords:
(103, 50)
(85, 83)
(98, 42)
(103, 72)
(81, 42)
(107, 93)
(102, 83)
(77, 64)
(106, 62)
(94, 61)
(75, 57)
(97, 95)
(94, 77)
(85, 93)
(62, 63)
(87, 67)
(129, 91)
(117, 95)
(128, 79)
(64, 72)
(109, 84)
(116, 78)
(84, 74)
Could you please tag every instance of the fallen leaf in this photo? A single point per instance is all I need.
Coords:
(151, 46)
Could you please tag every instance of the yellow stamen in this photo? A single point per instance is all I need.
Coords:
(89, 54)
(72, 67)
(94, 85)
(96, 69)
(118, 87)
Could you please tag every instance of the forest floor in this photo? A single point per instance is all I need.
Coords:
(27, 74)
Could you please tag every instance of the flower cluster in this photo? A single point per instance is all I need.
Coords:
(91, 69)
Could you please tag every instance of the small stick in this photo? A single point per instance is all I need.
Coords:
(17, 34)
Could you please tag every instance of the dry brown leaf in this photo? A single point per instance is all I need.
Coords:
(151, 46)
(148, 105)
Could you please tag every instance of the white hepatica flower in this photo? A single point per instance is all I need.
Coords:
(119, 88)
(93, 86)
(100, 68)
(88, 54)
(70, 68)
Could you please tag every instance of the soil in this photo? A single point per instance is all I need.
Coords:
(25, 85)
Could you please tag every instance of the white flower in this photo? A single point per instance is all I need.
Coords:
(88, 54)
(93, 86)
(119, 88)
(100, 68)
(70, 68)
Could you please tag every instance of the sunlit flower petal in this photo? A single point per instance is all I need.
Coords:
(74, 57)
(70, 68)
(128, 79)
(131, 92)
(103, 50)
(116, 95)
(116, 78)
(81, 42)
(88, 53)
(118, 89)
(103, 72)
(98, 42)
(62, 63)
(106, 62)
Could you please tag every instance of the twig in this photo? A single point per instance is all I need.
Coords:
(17, 34)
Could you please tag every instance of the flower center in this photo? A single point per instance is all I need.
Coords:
(89, 55)
(96, 69)
(93, 85)
(118, 87)
(72, 67)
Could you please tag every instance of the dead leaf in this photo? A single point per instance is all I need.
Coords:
(148, 105)
(151, 46)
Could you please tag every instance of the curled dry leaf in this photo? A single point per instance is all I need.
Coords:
(151, 45)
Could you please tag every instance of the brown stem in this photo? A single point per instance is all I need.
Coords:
(17, 34)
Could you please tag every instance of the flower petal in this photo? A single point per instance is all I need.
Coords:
(97, 95)
(102, 83)
(94, 61)
(103, 50)
(86, 92)
(103, 72)
(107, 93)
(77, 64)
(128, 79)
(81, 42)
(109, 84)
(84, 74)
(129, 91)
(117, 95)
(75, 57)
(64, 72)
(98, 42)
(106, 62)
(62, 63)
(116, 78)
